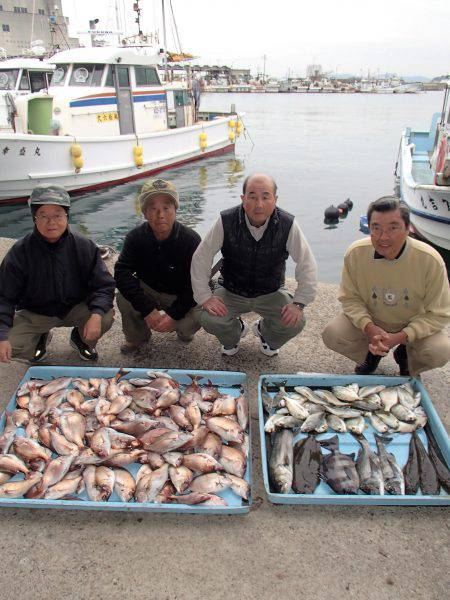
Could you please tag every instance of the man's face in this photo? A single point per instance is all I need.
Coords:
(160, 214)
(259, 200)
(388, 233)
(51, 221)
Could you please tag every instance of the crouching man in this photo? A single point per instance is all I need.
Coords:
(53, 277)
(153, 271)
(395, 296)
(255, 238)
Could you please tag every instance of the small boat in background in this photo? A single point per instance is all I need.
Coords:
(423, 177)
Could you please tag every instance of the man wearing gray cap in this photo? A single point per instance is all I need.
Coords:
(53, 277)
(153, 271)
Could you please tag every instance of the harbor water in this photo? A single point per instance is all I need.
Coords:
(320, 149)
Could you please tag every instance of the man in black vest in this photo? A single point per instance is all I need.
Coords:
(255, 238)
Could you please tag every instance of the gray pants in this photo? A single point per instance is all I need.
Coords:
(28, 327)
(134, 326)
(228, 329)
(427, 353)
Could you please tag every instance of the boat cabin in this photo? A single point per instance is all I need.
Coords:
(105, 91)
(20, 76)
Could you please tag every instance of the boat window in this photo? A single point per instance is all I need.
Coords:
(59, 75)
(8, 79)
(146, 76)
(24, 82)
(38, 80)
(109, 78)
(124, 78)
(87, 75)
(182, 98)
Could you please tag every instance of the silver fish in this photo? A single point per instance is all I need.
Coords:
(345, 393)
(388, 418)
(356, 425)
(312, 422)
(306, 392)
(394, 482)
(343, 413)
(406, 399)
(336, 423)
(281, 461)
(329, 397)
(367, 390)
(389, 398)
(369, 469)
(277, 421)
(296, 408)
(403, 414)
(377, 423)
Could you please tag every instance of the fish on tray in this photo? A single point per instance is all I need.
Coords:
(338, 470)
(307, 461)
(71, 435)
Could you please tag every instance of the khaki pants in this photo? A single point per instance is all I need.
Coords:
(134, 326)
(228, 329)
(28, 327)
(427, 353)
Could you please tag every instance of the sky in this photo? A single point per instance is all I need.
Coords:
(406, 37)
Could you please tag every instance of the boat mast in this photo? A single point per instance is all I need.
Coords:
(164, 40)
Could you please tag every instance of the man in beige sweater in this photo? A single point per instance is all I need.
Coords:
(395, 294)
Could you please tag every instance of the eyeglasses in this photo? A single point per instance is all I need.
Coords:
(47, 219)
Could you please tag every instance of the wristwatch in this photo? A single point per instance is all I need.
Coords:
(300, 304)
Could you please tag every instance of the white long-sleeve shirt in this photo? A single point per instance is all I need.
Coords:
(296, 245)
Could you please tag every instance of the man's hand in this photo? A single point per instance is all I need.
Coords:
(380, 342)
(93, 329)
(372, 330)
(153, 319)
(165, 324)
(215, 306)
(5, 351)
(291, 315)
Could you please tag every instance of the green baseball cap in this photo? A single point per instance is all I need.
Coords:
(49, 194)
(157, 187)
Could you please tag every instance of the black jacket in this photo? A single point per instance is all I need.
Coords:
(253, 268)
(50, 279)
(164, 266)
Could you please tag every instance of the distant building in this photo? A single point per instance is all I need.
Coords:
(19, 26)
(314, 72)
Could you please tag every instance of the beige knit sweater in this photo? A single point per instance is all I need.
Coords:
(410, 293)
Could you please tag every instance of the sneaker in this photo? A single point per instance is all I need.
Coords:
(369, 365)
(263, 345)
(131, 348)
(83, 349)
(244, 331)
(41, 348)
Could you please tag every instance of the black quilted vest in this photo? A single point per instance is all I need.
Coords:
(252, 268)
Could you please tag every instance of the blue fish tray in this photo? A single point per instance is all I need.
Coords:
(347, 443)
(228, 381)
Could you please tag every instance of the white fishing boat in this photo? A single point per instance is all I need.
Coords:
(20, 76)
(423, 177)
(106, 118)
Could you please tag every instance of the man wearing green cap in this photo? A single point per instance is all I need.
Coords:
(53, 277)
(153, 271)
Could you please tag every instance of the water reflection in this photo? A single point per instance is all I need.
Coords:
(107, 215)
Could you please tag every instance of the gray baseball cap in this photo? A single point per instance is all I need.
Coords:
(49, 194)
(157, 187)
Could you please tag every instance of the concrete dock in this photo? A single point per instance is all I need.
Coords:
(296, 552)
